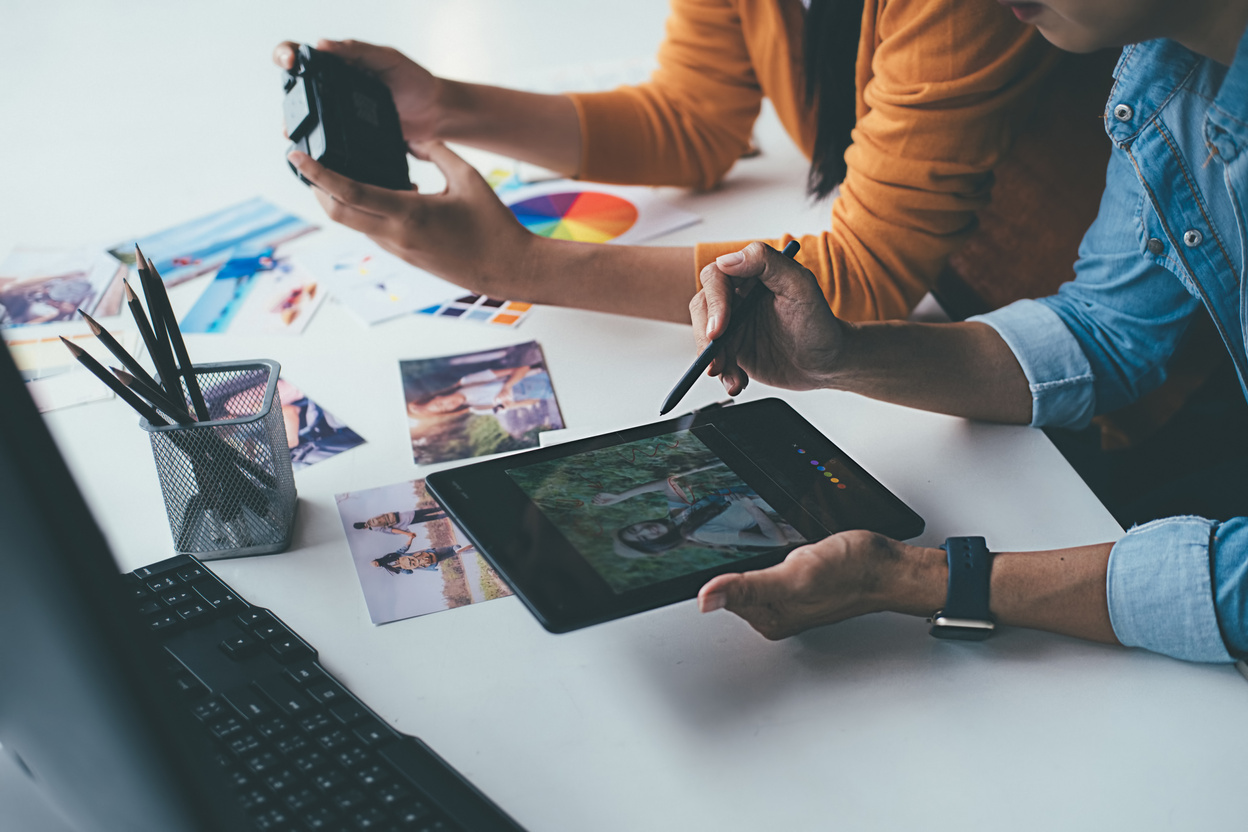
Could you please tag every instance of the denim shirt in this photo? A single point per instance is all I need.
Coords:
(1169, 238)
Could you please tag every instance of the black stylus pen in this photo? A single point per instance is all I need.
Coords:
(741, 312)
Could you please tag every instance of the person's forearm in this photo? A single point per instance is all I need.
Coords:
(963, 369)
(536, 128)
(1060, 591)
(643, 281)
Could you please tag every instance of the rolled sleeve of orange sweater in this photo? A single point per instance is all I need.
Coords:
(942, 89)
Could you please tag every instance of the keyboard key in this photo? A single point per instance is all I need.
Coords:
(349, 799)
(391, 794)
(413, 815)
(240, 645)
(163, 583)
(352, 757)
(331, 780)
(348, 713)
(189, 574)
(150, 607)
(244, 745)
(178, 596)
(265, 632)
(281, 780)
(253, 798)
(163, 621)
(309, 761)
(286, 696)
(369, 818)
(289, 649)
(291, 745)
(373, 734)
(188, 685)
(315, 722)
(320, 819)
(274, 727)
(373, 775)
(334, 739)
(304, 673)
(262, 762)
(216, 594)
(211, 709)
(193, 610)
(252, 616)
(301, 798)
(249, 703)
(272, 820)
(327, 693)
(225, 728)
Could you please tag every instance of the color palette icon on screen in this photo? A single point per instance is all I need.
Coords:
(583, 216)
(831, 476)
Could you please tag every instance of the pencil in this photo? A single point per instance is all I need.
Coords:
(152, 392)
(162, 354)
(741, 312)
(84, 358)
(145, 330)
(117, 349)
(179, 346)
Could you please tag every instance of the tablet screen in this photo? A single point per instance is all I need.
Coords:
(647, 511)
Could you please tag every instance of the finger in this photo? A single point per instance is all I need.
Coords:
(698, 315)
(344, 214)
(368, 198)
(784, 276)
(718, 290)
(458, 173)
(284, 54)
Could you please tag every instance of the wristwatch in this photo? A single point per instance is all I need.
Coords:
(965, 615)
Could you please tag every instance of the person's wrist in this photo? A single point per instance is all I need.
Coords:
(451, 108)
(916, 580)
(832, 366)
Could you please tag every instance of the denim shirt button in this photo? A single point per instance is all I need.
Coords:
(1155, 246)
(1123, 112)
(1192, 238)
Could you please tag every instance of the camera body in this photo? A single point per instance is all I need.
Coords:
(345, 119)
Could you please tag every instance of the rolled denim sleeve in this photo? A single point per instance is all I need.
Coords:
(1058, 373)
(1160, 588)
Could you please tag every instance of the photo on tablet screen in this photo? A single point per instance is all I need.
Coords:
(648, 511)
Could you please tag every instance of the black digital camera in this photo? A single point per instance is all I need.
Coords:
(345, 119)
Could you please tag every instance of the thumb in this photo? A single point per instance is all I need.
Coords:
(737, 592)
(783, 276)
(453, 167)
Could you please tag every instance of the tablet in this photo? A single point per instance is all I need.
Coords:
(612, 525)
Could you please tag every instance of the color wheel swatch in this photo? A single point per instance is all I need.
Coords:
(584, 216)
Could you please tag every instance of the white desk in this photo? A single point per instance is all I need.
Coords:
(667, 720)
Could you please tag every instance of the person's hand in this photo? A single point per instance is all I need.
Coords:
(463, 234)
(414, 88)
(791, 339)
(606, 499)
(842, 576)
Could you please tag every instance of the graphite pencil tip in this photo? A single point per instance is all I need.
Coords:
(73, 348)
(130, 295)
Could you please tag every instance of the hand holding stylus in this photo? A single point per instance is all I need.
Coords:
(790, 338)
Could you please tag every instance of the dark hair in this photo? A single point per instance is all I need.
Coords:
(359, 525)
(387, 562)
(685, 523)
(830, 55)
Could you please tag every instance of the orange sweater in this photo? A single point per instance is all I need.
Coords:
(942, 89)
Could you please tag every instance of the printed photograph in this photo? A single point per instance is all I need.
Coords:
(655, 509)
(312, 433)
(462, 406)
(410, 557)
(260, 295)
(40, 286)
(200, 245)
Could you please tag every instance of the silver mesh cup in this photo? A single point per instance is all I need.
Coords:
(228, 486)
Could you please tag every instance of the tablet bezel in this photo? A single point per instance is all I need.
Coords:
(561, 587)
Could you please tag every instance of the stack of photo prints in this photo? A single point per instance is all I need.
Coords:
(265, 271)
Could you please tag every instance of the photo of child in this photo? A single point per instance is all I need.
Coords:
(410, 557)
(654, 509)
(476, 404)
(39, 286)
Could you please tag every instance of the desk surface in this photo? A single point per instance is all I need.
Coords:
(667, 720)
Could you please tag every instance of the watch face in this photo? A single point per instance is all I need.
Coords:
(960, 633)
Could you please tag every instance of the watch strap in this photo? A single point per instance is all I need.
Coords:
(970, 570)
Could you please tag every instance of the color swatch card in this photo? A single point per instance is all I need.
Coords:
(258, 295)
(481, 309)
(201, 245)
(370, 281)
(567, 210)
(53, 378)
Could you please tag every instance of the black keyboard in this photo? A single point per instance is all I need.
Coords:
(301, 752)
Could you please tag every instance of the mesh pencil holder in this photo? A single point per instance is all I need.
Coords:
(227, 482)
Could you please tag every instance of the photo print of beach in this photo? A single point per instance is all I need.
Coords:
(262, 294)
(475, 404)
(654, 509)
(410, 557)
(200, 245)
